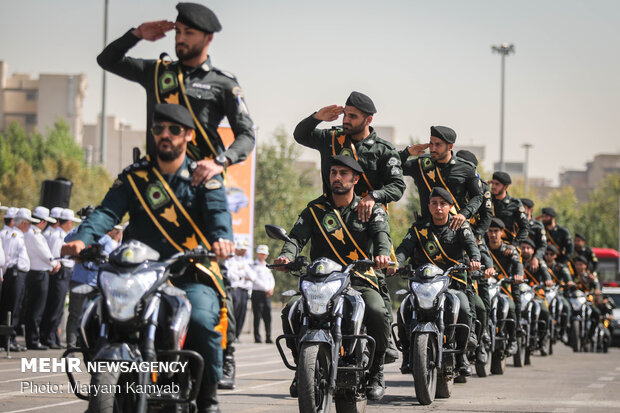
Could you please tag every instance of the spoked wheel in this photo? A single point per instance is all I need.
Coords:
(423, 356)
(313, 378)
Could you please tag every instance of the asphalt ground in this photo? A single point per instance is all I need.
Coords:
(565, 382)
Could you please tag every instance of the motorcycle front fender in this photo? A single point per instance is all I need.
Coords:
(317, 336)
(118, 352)
(428, 327)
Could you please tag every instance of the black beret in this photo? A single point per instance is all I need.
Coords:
(581, 258)
(529, 242)
(580, 235)
(362, 102)
(346, 161)
(444, 133)
(552, 248)
(198, 17)
(468, 156)
(173, 113)
(503, 177)
(549, 211)
(527, 202)
(442, 193)
(497, 223)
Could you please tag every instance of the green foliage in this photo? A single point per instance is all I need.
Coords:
(282, 192)
(26, 160)
(598, 218)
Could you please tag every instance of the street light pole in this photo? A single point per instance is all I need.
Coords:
(102, 142)
(527, 147)
(504, 49)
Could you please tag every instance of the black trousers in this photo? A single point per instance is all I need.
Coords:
(240, 303)
(57, 291)
(37, 284)
(261, 309)
(12, 297)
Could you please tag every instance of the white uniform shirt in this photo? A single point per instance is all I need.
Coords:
(47, 233)
(2, 260)
(57, 240)
(4, 234)
(41, 258)
(264, 278)
(240, 273)
(15, 251)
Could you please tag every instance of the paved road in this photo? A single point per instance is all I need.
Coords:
(565, 382)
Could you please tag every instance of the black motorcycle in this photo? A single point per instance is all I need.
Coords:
(527, 338)
(499, 326)
(556, 306)
(429, 312)
(334, 351)
(581, 320)
(134, 316)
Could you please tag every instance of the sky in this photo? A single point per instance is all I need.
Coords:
(422, 62)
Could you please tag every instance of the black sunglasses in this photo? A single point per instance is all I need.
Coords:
(175, 130)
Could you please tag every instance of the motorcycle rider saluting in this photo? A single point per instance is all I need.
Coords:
(507, 263)
(170, 215)
(337, 233)
(434, 241)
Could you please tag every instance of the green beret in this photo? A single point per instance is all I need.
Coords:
(529, 242)
(581, 258)
(502, 177)
(198, 17)
(362, 102)
(580, 235)
(549, 211)
(173, 113)
(468, 156)
(444, 133)
(497, 223)
(527, 202)
(346, 161)
(552, 248)
(442, 193)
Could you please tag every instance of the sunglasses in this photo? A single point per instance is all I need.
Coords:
(175, 130)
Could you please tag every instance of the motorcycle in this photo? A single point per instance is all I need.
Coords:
(555, 315)
(499, 324)
(529, 323)
(581, 319)
(334, 351)
(135, 316)
(430, 311)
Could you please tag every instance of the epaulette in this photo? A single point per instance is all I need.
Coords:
(227, 74)
(465, 161)
(143, 163)
(319, 201)
(386, 143)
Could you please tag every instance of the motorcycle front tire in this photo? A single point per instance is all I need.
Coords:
(113, 401)
(313, 373)
(424, 359)
(575, 335)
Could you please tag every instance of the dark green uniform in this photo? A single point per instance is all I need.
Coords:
(561, 275)
(209, 210)
(455, 244)
(512, 213)
(482, 218)
(459, 176)
(378, 158)
(508, 266)
(590, 256)
(538, 234)
(561, 238)
(538, 277)
(372, 237)
(212, 94)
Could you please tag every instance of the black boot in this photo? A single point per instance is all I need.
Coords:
(405, 368)
(462, 365)
(227, 381)
(391, 353)
(207, 399)
(292, 390)
(376, 382)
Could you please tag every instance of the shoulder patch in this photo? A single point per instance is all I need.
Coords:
(213, 184)
(487, 194)
(393, 161)
(225, 73)
(521, 209)
(395, 171)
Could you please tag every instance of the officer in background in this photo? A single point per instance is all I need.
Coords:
(54, 214)
(536, 233)
(509, 210)
(434, 241)
(59, 282)
(262, 290)
(481, 219)
(333, 226)
(17, 267)
(209, 93)
(582, 249)
(42, 264)
(201, 214)
(382, 180)
(559, 237)
(5, 232)
(241, 276)
(561, 276)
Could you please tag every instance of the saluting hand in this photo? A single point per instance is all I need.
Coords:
(153, 30)
(329, 113)
(417, 149)
(206, 170)
(364, 208)
(223, 248)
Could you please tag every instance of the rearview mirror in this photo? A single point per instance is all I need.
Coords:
(276, 232)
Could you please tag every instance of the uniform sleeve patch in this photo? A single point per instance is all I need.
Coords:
(213, 184)
(395, 171)
(393, 161)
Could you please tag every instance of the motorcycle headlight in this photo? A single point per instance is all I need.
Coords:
(577, 302)
(318, 295)
(122, 292)
(526, 298)
(427, 292)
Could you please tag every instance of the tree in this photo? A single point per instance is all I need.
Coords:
(282, 192)
(599, 216)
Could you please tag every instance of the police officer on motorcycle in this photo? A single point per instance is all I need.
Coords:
(170, 215)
